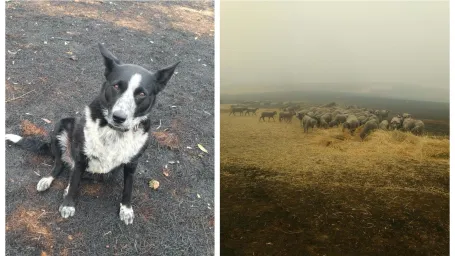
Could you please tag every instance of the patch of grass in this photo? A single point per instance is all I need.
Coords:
(37, 231)
(327, 192)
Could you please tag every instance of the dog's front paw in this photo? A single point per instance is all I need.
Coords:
(44, 183)
(67, 211)
(126, 214)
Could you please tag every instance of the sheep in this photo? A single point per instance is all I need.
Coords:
(340, 118)
(362, 119)
(413, 125)
(327, 117)
(351, 123)
(307, 122)
(333, 123)
(301, 114)
(286, 116)
(367, 128)
(251, 110)
(267, 114)
(381, 114)
(384, 125)
(237, 109)
(323, 124)
(406, 115)
(372, 117)
(396, 123)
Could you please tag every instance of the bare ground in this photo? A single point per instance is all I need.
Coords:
(43, 82)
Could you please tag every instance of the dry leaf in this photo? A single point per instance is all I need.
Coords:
(166, 172)
(154, 184)
(28, 128)
(202, 148)
(167, 139)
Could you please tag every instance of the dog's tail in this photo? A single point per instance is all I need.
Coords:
(31, 144)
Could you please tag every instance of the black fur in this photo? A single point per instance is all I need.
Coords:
(35, 145)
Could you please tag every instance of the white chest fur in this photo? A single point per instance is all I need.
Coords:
(107, 148)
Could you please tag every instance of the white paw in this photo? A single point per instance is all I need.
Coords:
(126, 214)
(44, 183)
(13, 137)
(67, 211)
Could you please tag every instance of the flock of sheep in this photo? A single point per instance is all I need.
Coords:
(331, 115)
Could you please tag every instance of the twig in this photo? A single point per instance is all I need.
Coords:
(61, 38)
(16, 98)
(159, 126)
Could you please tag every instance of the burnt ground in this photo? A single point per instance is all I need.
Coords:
(43, 82)
(262, 216)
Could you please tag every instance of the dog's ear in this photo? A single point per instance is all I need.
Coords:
(162, 76)
(110, 61)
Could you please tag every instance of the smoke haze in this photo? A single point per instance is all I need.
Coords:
(388, 49)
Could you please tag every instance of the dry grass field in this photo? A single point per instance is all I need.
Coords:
(284, 192)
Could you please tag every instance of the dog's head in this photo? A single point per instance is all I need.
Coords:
(129, 92)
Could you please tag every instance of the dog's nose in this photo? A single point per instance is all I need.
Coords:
(119, 116)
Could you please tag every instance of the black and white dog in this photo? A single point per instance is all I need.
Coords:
(113, 134)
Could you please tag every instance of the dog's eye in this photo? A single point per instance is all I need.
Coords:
(116, 86)
(141, 94)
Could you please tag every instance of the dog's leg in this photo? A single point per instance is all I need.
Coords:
(46, 182)
(67, 208)
(126, 211)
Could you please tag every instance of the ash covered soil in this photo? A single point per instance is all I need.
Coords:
(54, 69)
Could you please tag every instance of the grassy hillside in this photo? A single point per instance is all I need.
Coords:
(283, 191)
(435, 115)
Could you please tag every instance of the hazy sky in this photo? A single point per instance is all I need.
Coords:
(363, 46)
